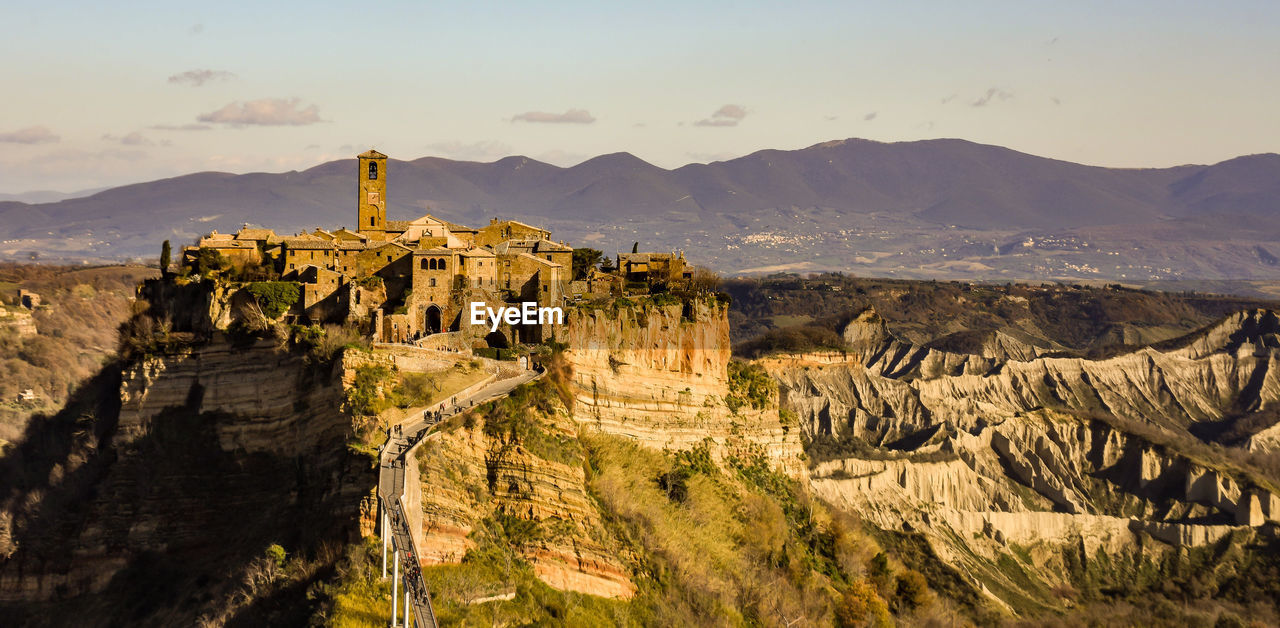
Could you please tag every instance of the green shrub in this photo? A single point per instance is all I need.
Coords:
(912, 591)
(367, 394)
(749, 384)
(275, 297)
(688, 463)
(666, 298)
(860, 606)
(208, 262)
(276, 554)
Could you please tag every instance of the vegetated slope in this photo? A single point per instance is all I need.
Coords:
(516, 495)
(945, 181)
(796, 314)
(75, 333)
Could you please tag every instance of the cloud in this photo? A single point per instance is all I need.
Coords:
(831, 118)
(1055, 100)
(728, 115)
(135, 138)
(196, 29)
(471, 151)
(196, 78)
(871, 116)
(716, 122)
(572, 116)
(180, 127)
(734, 112)
(993, 93)
(949, 98)
(264, 112)
(30, 135)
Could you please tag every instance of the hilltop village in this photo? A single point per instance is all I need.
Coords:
(410, 280)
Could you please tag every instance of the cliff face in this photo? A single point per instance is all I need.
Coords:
(659, 375)
(469, 474)
(204, 458)
(1002, 447)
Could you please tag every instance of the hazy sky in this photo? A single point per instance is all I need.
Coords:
(99, 94)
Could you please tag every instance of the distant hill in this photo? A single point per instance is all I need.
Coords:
(941, 182)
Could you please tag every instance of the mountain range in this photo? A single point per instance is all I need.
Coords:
(943, 186)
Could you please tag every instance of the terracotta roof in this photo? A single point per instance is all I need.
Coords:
(548, 245)
(309, 244)
(516, 222)
(255, 234)
(383, 245)
(544, 262)
(372, 154)
(345, 232)
(476, 252)
(397, 225)
(537, 246)
(453, 226)
(439, 250)
(228, 244)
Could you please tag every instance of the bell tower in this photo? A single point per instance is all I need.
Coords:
(372, 199)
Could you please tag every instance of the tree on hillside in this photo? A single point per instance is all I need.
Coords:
(166, 253)
(607, 265)
(635, 248)
(584, 260)
(705, 280)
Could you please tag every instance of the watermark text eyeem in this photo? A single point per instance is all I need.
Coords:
(527, 313)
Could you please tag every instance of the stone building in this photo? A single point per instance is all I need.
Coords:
(409, 278)
(654, 266)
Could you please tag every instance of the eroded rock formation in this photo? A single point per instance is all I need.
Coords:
(659, 374)
(1012, 445)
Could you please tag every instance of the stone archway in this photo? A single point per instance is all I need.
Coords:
(432, 320)
(497, 340)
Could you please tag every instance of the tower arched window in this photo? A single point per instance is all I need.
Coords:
(373, 170)
(425, 266)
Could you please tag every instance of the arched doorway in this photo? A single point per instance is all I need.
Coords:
(432, 323)
(497, 340)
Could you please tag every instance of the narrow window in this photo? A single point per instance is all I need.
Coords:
(373, 170)
(424, 265)
(433, 282)
(370, 221)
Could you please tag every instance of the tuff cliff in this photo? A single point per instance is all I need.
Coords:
(170, 474)
(654, 373)
(659, 374)
(477, 469)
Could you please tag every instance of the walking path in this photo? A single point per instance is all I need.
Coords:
(394, 460)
